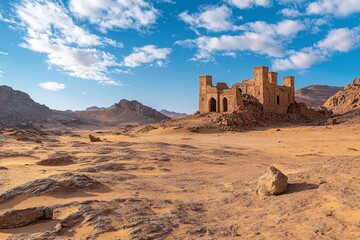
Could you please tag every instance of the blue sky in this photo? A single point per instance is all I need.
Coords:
(73, 54)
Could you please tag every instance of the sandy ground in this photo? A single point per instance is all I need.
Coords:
(197, 186)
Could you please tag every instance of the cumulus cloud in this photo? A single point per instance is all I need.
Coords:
(285, 27)
(335, 7)
(337, 40)
(212, 18)
(50, 30)
(290, 12)
(259, 37)
(149, 54)
(247, 42)
(116, 14)
(242, 4)
(52, 86)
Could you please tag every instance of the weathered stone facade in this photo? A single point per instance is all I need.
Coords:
(264, 86)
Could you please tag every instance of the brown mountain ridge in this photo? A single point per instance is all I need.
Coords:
(315, 95)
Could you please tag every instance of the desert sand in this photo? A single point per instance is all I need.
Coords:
(175, 184)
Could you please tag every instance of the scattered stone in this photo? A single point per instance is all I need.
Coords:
(57, 159)
(272, 183)
(3, 168)
(23, 217)
(352, 149)
(94, 139)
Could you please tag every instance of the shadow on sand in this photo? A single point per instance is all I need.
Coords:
(300, 187)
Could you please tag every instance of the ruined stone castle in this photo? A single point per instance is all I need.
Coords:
(264, 86)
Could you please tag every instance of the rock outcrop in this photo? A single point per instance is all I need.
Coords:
(61, 183)
(57, 159)
(273, 182)
(23, 217)
(345, 100)
(17, 109)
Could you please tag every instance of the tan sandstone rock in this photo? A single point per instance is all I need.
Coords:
(23, 217)
(272, 183)
(94, 139)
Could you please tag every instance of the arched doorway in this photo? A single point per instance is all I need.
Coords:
(212, 105)
(225, 104)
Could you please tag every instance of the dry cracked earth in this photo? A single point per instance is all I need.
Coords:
(175, 184)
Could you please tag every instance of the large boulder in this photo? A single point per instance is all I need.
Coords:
(273, 182)
(23, 217)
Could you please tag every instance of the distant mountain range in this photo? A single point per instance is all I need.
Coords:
(17, 109)
(315, 95)
(173, 114)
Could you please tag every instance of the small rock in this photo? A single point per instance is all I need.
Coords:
(94, 139)
(329, 214)
(272, 183)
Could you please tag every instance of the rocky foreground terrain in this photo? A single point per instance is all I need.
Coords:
(170, 183)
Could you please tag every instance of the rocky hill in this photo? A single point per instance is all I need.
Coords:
(172, 114)
(346, 100)
(126, 112)
(315, 95)
(17, 109)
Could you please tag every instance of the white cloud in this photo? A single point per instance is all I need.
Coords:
(50, 30)
(242, 4)
(212, 18)
(285, 27)
(166, 1)
(290, 12)
(121, 71)
(293, 2)
(229, 54)
(52, 86)
(259, 37)
(4, 53)
(335, 7)
(1, 73)
(119, 14)
(341, 40)
(247, 42)
(337, 40)
(298, 60)
(147, 54)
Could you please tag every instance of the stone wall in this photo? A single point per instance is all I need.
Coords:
(263, 86)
